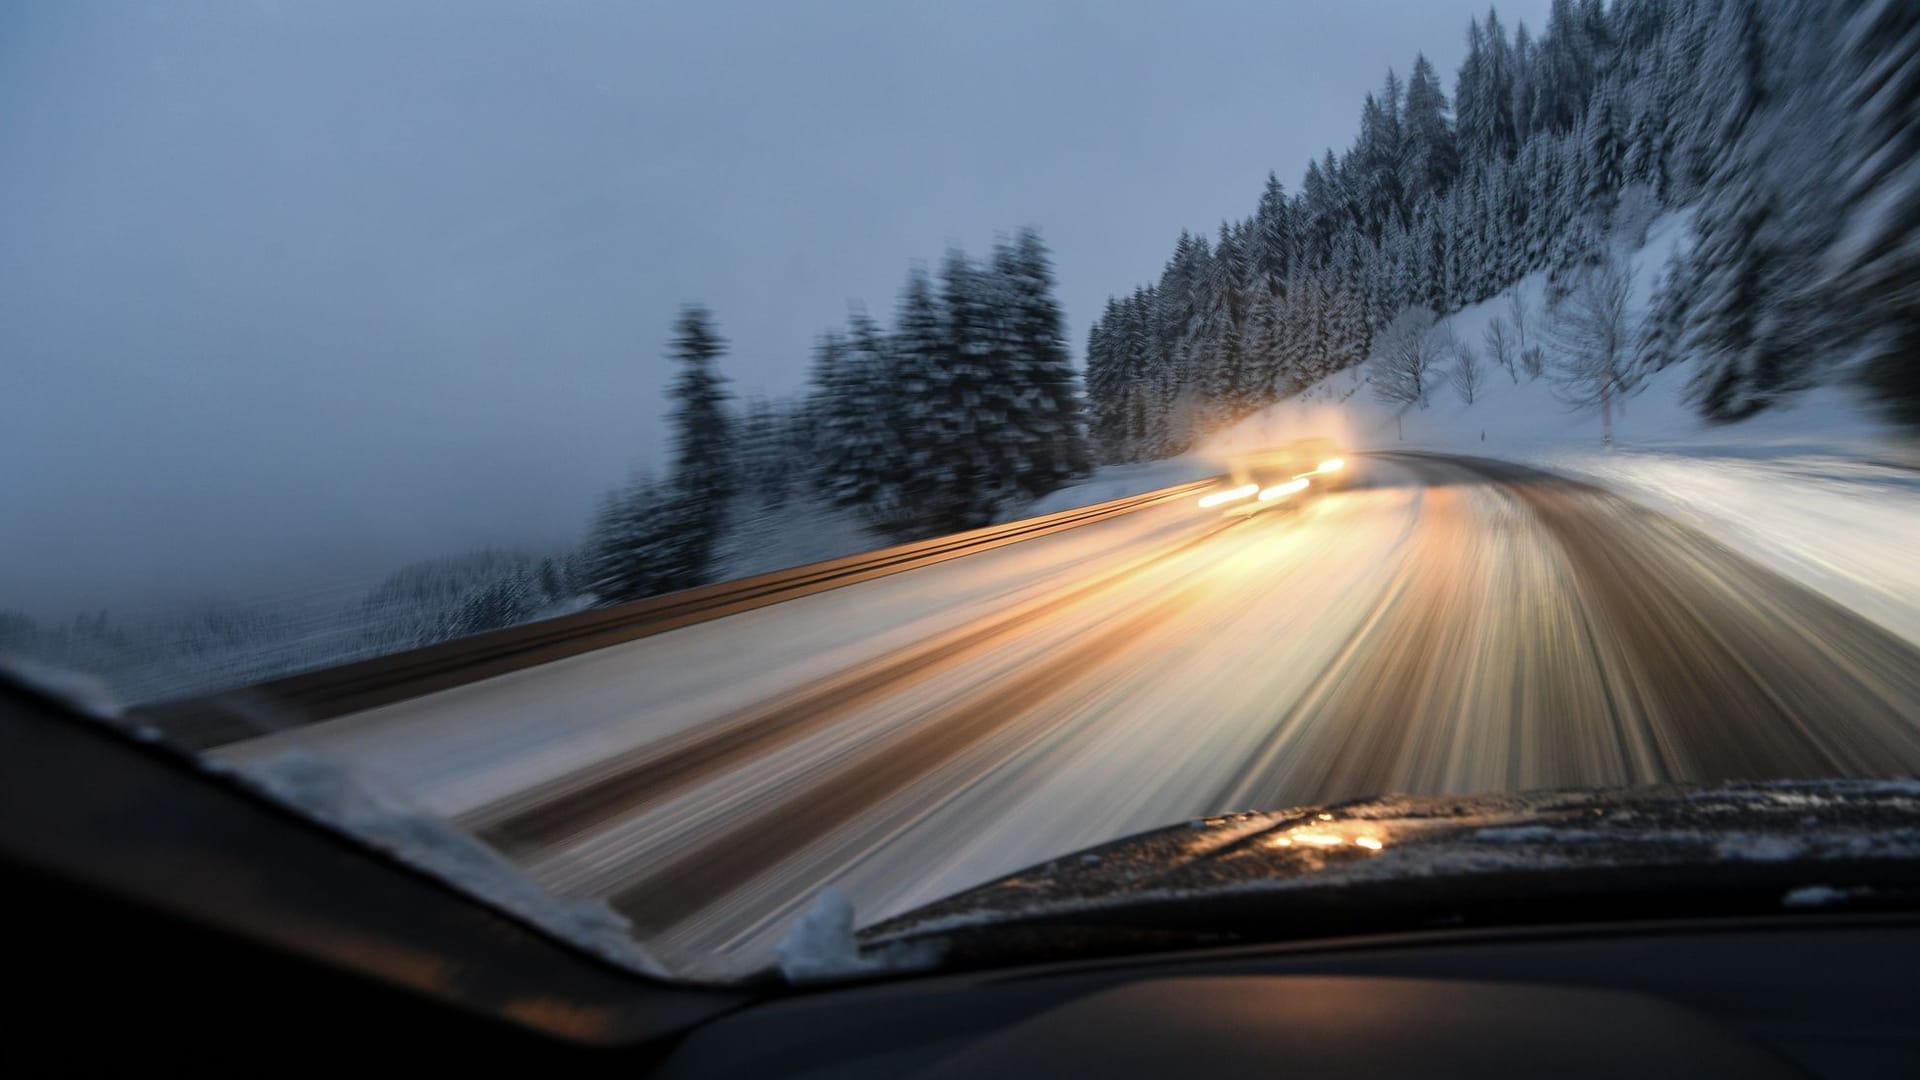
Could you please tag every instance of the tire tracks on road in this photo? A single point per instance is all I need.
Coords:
(577, 802)
(678, 887)
(1604, 644)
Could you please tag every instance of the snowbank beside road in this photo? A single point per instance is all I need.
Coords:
(1119, 481)
(1841, 526)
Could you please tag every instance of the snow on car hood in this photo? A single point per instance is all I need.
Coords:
(1793, 830)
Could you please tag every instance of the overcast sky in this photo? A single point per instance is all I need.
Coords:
(292, 293)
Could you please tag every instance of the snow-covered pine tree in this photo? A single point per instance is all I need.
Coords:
(859, 461)
(1105, 385)
(1663, 331)
(1045, 411)
(1754, 322)
(919, 349)
(1217, 342)
(1603, 162)
(1874, 264)
(1483, 124)
(1563, 70)
(1141, 361)
(1799, 134)
(1642, 164)
(1379, 197)
(1345, 335)
(1430, 159)
(510, 599)
(1525, 53)
(623, 558)
(1321, 210)
(1272, 249)
(1261, 344)
(766, 469)
(1303, 333)
(1429, 261)
(1005, 391)
(704, 477)
(1580, 238)
(969, 418)
(881, 438)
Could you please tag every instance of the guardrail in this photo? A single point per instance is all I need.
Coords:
(229, 716)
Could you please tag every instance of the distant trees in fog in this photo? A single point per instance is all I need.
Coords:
(155, 656)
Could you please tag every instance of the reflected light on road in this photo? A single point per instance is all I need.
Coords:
(1231, 495)
(1280, 491)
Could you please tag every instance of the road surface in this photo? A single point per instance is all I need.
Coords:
(1442, 626)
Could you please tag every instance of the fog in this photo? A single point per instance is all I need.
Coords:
(293, 293)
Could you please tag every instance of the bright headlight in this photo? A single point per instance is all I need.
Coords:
(1218, 498)
(1281, 491)
(1332, 464)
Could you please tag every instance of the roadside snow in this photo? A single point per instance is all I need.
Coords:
(1840, 526)
(799, 531)
(1111, 482)
(821, 946)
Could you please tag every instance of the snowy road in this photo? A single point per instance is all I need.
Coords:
(1442, 626)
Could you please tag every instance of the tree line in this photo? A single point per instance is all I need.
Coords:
(967, 405)
(1789, 126)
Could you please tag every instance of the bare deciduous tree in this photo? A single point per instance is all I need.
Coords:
(1466, 369)
(1593, 337)
(1498, 338)
(1404, 357)
(1520, 318)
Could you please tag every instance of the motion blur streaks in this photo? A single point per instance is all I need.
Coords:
(1442, 626)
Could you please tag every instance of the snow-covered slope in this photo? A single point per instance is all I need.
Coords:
(1511, 417)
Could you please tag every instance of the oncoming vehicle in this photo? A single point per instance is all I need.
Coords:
(1279, 474)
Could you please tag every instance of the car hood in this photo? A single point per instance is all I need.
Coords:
(1412, 862)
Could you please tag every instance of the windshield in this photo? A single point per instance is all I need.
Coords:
(720, 476)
